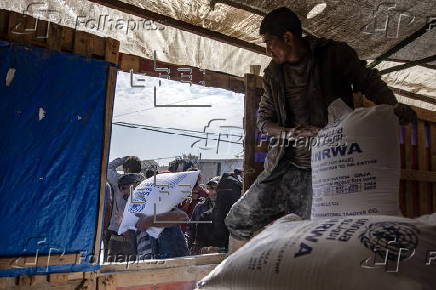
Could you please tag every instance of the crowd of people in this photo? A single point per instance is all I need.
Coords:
(196, 226)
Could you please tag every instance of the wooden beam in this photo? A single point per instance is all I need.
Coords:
(410, 95)
(137, 64)
(182, 25)
(238, 5)
(408, 64)
(164, 263)
(38, 261)
(140, 279)
(402, 43)
(107, 128)
(425, 197)
(418, 175)
(255, 69)
(426, 65)
(250, 108)
(433, 160)
(426, 115)
(224, 81)
(59, 38)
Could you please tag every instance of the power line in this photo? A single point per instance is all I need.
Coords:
(170, 128)
(129, 125)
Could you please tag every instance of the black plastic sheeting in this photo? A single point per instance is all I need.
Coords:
(52, 120)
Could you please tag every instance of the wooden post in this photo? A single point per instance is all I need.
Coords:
(250, 108)
(408, 165)
(433, 160)
(110, 93)
(111, 50)
(81, 43)
(255, 69)
(425, 203)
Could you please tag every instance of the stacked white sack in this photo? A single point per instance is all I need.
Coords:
(356, 163)
(339, 253)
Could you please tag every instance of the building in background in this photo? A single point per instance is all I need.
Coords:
(213, 167)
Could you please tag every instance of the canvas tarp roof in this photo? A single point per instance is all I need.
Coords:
(371, 27)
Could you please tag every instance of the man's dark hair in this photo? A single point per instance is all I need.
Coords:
(130, 178)
(132, 165)
(279, 21)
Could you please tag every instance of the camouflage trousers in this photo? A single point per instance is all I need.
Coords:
(287, 189)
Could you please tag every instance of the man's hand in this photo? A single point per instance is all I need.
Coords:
(209, 250)
(144, 222)
(273, 129)
(308, 131)
(405, 114)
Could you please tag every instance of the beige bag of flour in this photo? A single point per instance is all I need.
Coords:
(359, 253)
(356, 163)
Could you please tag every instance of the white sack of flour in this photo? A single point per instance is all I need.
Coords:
(356, 163)
(152, 198)
(360, 253)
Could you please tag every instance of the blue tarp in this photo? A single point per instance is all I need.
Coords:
(52, 120)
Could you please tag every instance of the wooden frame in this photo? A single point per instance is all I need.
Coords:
(156, 68)
(24, 29)
(184, 271)
(110, 94)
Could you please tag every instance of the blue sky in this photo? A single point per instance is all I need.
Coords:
(136, 105)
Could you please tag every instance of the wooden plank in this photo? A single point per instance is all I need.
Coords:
(147, 277)
(250, 108)
(425, 199)
(81, 43)
(110, 93)
(17, 28)
(62, 277)
(425, 115)
(419, 97)
(112, 47)
(31, 281)
(224, 81)
(408, 64)
(418, 175)
(56, 37)
(259, 82)
(67, 39)
(4, 23)
(164, 263)
(433, 160)
(8, 282)
(408, 165)
(25, 29)
(42, 282)
(255, 69)
(98, 48)
(128, 62)
(38, 261)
